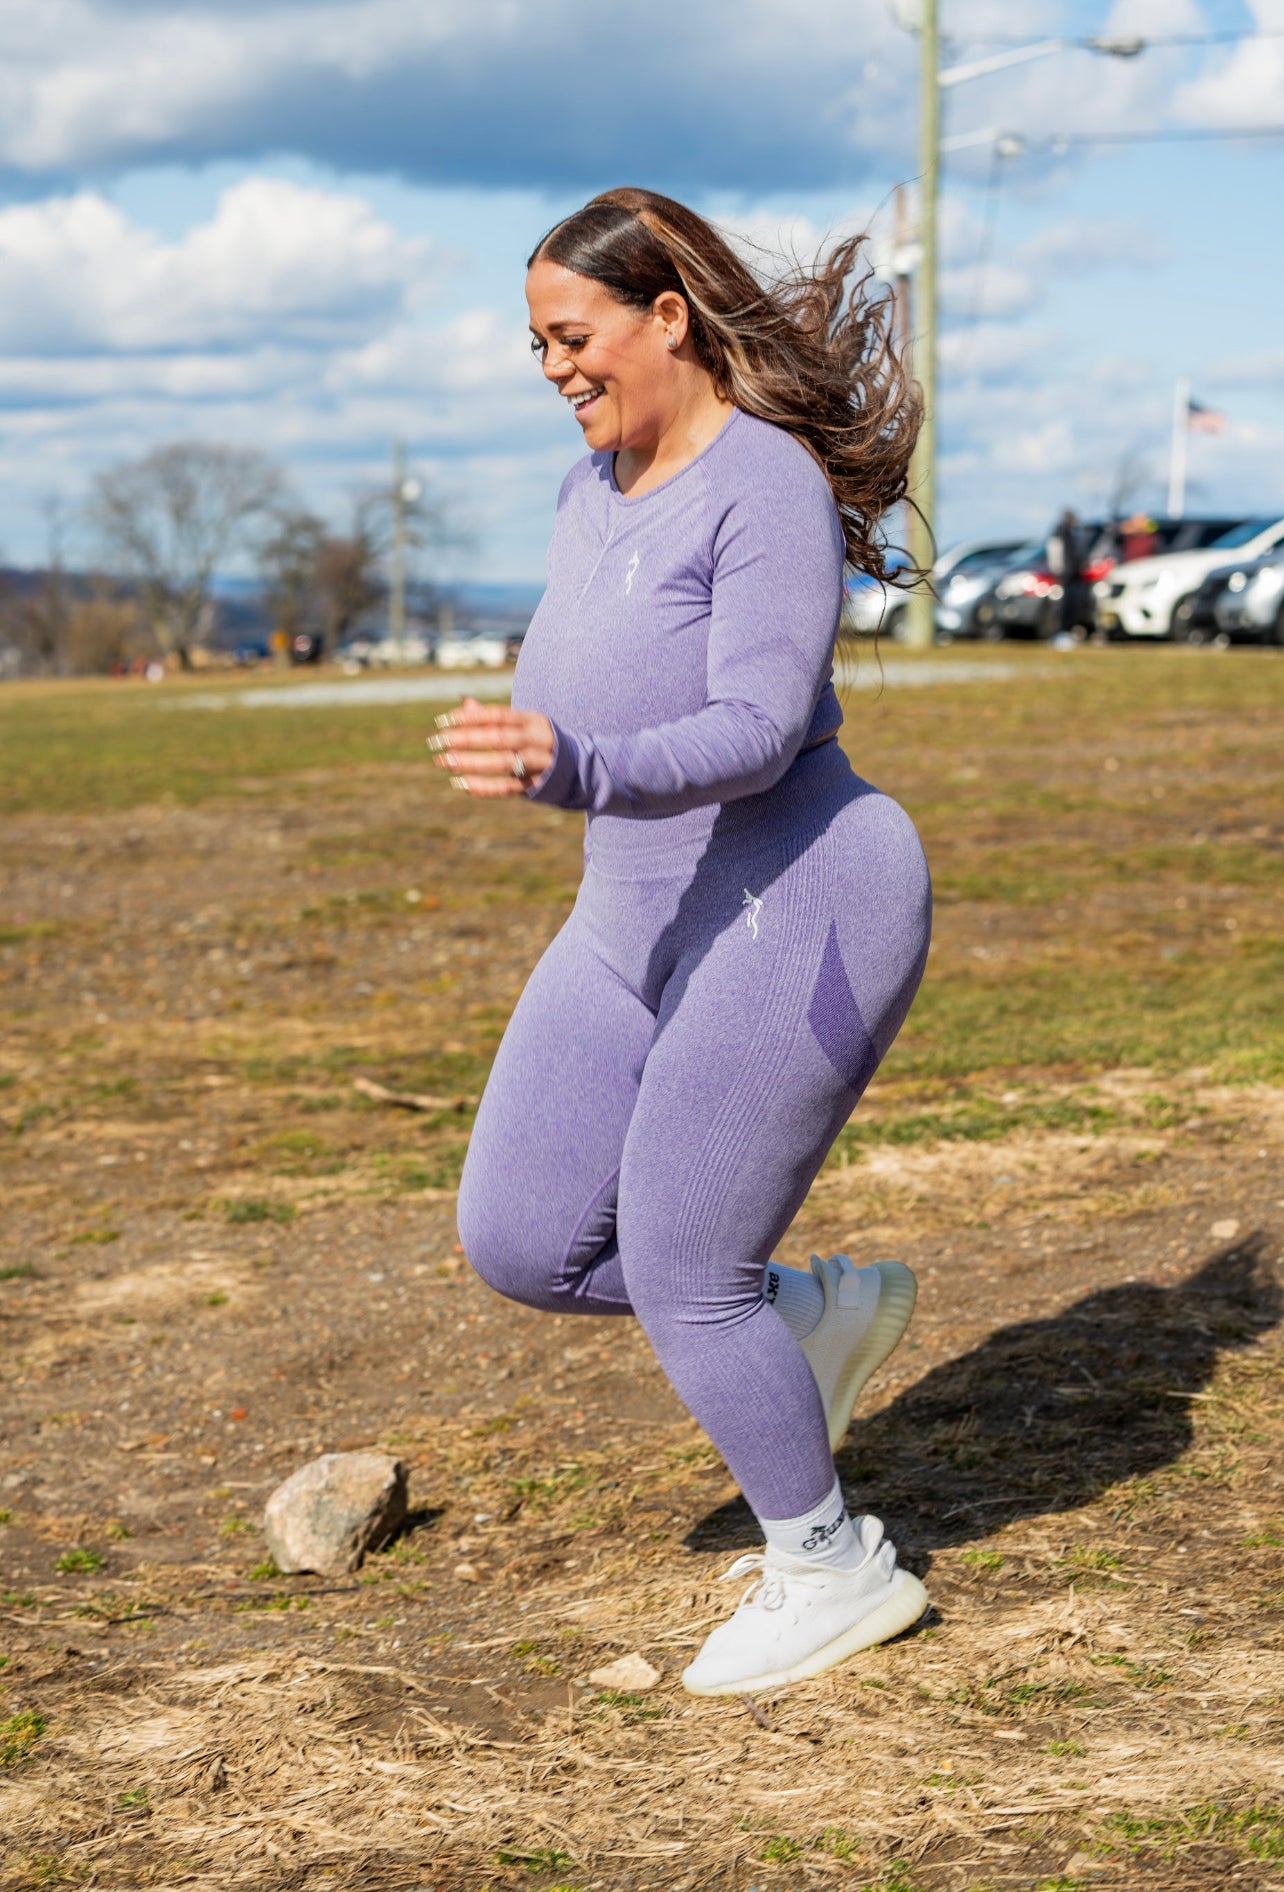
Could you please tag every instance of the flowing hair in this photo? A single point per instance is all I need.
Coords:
(803, 351)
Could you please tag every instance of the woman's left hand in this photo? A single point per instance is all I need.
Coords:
(492, 750)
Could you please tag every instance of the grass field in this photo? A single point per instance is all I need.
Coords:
(218, 1257)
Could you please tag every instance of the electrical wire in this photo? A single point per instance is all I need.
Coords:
(1176, 134)
(989, 222)
(1092, 41)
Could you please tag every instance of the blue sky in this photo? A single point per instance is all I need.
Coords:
(302, 224)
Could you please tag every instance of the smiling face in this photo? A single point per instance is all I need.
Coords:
(612, 363)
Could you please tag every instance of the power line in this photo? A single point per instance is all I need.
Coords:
(1091, 41)
(1013, 144)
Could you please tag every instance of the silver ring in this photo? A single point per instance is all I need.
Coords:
(519, 767)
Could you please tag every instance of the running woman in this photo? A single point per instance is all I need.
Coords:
(753, 919)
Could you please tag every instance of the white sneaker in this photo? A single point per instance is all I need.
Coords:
(866, 1312)
(798, 1619)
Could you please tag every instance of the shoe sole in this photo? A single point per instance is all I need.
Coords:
(900, 1612)
(897, 1293)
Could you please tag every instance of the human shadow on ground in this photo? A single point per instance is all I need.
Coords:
(1045, 1415)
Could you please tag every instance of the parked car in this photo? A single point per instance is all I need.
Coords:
(463, 651)
(1025, 600)
(307, 647)
(1142, 598)
(1235, 602)
(364, 652)
(1143, 535)
(960, 576)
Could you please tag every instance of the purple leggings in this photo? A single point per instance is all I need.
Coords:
(673, 1077)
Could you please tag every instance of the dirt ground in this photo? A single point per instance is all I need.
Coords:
(218, 1258)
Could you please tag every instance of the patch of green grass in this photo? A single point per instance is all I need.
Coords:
(300, 1152)
(80, 1558)
(258, 1209)
(1023, 1692)
(85, 747)
(1060, 1882)
(1256, 1829)
(118, 1532)
(19, 1735)
(1143, 1674)
(133, 1797)
(17, 1599)
(894, 1878)
(542, 1494)
(837, 1842)
(1272, 1539)
(216, 1299)
(441, 1170)
(982, 1559)
(98, 1237)
(542, 1859)
(19, 1271)
(235, 1526)
(975, 1118)
(24, 935)
(1065, 1750)
(780, 1850)
(265, 1572)
(6, 1515)
(1083, 1016)
(49, 1869)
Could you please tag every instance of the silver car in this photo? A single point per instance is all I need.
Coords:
(1250, 602)
(960, 577)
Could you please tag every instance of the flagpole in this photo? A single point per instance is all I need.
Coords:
(1177, 450)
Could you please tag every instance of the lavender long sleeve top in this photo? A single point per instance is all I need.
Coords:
(683, 647)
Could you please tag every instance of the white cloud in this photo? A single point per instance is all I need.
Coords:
(1246, 84)
(76, 273)
(492, 90)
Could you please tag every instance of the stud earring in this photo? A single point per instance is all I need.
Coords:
(672, 342)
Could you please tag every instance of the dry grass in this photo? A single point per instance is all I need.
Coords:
(219, 1257)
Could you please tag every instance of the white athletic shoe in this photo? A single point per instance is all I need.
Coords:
(797, 1619)
(866, 1312)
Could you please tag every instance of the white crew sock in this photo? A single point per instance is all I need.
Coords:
(798, 1298)
(823, 1535)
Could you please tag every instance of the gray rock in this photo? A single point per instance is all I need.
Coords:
(331, 1512)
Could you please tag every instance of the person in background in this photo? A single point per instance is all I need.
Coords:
(1065, 559)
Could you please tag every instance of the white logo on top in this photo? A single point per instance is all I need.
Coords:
(755, 908)
(633, 564)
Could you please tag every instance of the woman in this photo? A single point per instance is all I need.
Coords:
(753, 920)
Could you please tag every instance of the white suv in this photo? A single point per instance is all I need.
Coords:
(1138, 599)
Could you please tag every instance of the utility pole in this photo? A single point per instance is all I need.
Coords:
(397, 588)
(1177, 449)
(920, 614)
(921, 17)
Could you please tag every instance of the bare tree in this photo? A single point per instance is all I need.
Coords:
(1132, 475)
(168, 520)
(348, 579)
(289, 560)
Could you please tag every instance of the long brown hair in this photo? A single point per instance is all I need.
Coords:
(803, 351)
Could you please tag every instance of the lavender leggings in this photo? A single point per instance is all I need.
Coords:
(672, 1078)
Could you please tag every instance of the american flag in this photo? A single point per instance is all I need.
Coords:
(1203, 420)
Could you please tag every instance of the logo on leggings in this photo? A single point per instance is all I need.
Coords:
(820, 1534)
(630, 572)
(754, 905)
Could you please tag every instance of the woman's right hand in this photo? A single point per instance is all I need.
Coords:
(491, 750)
